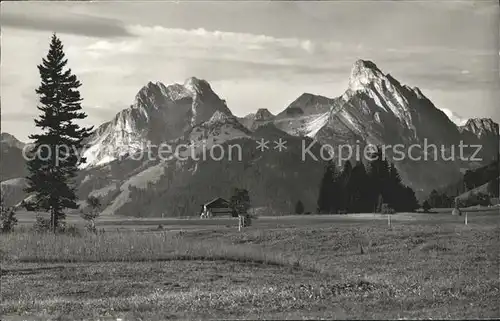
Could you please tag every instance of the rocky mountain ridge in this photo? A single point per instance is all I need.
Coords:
(374, 109)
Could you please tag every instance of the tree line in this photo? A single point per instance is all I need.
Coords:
(376, 187)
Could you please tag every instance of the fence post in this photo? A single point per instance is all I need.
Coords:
(389, 220)
(465, 218)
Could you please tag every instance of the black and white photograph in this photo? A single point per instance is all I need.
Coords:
(249, 160)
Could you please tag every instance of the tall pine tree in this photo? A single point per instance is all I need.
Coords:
(394, 193)
(359, 189)
(326, 198)
(411, 202)
(346, 186)
(58, 148)
(378, 174)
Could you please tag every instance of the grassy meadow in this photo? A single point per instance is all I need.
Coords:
(291, 267)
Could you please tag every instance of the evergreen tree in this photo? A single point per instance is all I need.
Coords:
(386, 186)
(7, 216)
(410, 200)
(378, 173)
(240, 200)
(493, 187)
(299, 208)
(346, 187)
(399, 197)
(394, 193)
(58, 148)
(426, 206)
(434, 199)
(337, 194)
(331, 194)
(326, 198)
(94, 207)
(359, 191)
(380, 203)
(440, 200)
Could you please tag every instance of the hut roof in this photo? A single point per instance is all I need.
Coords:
(217, 202)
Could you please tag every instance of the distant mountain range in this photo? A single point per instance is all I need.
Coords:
(12, 160)
(375, 109)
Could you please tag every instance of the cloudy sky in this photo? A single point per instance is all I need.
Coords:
(254, 54)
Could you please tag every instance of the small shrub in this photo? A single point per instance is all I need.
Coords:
(7, 219)
(247, 220)
(90, 216)
(299, 208)
(7, 216)
(459, 203)
(160, 227)
(361, 249)
(433, 247)
(240, 200)
(70, 230)
(42, 224)
(386, 209)
(426, 207)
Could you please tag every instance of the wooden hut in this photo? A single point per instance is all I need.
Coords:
(217, 207)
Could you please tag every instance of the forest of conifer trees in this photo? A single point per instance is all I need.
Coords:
(374, 188)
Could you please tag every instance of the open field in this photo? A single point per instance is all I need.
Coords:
(120, 223)
(335, 267)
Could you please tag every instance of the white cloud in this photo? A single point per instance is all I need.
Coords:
(116, 47)
(308, 46)
(201, 43)
(200, 33)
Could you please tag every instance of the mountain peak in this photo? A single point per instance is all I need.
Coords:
(159, 113)
(152, 86)
(360, 63)
(196, 85)
(11, 140)
(149, 94)
(157, 94)
(363, 72)
(218, 129)
(418, 92)
(192, 81)
(191, 86)
(479, 126)
(219, 116)
(307, 104)
(148, 87)
(263, 114)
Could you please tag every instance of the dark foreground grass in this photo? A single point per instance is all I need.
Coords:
(364, 270)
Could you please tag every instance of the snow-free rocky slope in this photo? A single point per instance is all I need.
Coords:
(12, 169)
(12, 163)
(375, 108)
(159, 113)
